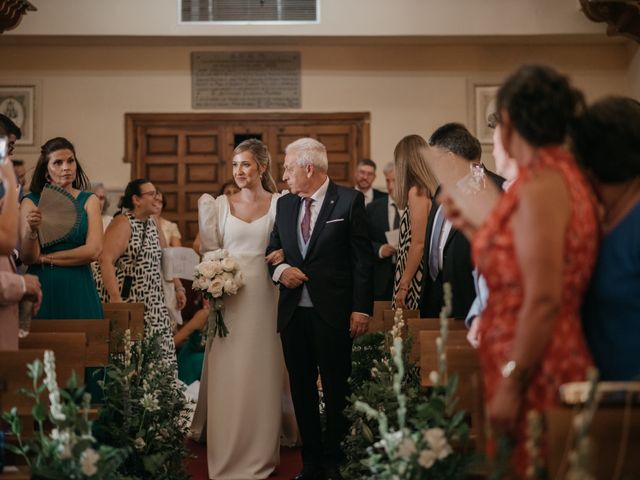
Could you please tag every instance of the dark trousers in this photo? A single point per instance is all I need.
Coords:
(311, 345)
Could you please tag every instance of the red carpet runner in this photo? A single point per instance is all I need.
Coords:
(290, 462)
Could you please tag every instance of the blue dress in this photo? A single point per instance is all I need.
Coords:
(611, 311)
(68, 292)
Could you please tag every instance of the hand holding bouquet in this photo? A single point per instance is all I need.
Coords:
(218, 274)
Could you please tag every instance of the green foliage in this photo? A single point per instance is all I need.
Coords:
(145, 410)
(371, 381)
(70, 451)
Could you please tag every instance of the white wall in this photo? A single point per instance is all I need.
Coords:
(408, 89)
(338, 18)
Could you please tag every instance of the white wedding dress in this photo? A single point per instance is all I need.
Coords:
(243, 373)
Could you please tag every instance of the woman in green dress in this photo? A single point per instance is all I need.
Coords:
(63, 267)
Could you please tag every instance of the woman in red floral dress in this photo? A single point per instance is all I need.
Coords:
(536, 250)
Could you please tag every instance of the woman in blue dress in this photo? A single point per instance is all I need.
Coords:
(607, 144)
(63, 266)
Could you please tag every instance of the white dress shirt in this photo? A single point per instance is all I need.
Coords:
(318, 200)
(442, 241)
(368, 196)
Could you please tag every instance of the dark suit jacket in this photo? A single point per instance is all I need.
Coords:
(383, 268)
(338, 261)
(457, 269)
(377, 194)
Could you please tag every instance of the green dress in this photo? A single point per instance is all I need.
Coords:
(190, 358)
(68, 292)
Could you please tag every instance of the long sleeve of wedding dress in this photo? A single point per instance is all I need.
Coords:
(208, 224)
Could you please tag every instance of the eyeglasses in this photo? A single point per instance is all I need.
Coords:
(153, 193)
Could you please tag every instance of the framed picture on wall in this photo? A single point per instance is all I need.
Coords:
(18, 102)
(481, 102)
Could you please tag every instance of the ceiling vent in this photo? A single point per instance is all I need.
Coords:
(249, 11)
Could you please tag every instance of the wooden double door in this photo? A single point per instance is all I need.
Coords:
(186, 155)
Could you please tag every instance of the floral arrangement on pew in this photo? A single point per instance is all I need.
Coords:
(372, 380)
(69, 450)
(218, 274)
(145, 410)
(421, 443)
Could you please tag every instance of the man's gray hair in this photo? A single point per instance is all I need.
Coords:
(389, 167)
(309, 152)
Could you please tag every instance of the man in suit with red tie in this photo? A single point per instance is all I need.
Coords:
(325, 297)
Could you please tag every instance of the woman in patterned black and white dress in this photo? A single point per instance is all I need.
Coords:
(415, 186)
(132, 248)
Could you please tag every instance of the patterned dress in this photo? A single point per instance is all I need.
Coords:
(147, 282)
(412, 300)
(566, 357)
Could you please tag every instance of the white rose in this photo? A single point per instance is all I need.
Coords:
(426, 459)
(139, 443)
(406, 448)
(228, 264)
(227, 277)
(238, 279)
(216, 287)
(215, 255)
(89, 462)
(230, 287)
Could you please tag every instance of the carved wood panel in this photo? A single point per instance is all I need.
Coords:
(186, 155)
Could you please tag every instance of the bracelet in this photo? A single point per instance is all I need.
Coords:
(403, 288)
(180, 289)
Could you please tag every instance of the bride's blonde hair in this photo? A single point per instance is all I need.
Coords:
(260, 154)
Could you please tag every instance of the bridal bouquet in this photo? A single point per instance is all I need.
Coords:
(218, 274)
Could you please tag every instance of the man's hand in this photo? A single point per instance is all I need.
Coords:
(387, 250)
(292, 277)
(359, 324)
(33, 292)
(473, 336)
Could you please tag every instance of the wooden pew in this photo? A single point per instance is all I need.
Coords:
(96, 332)
(429, 354)
(69, 350)
(389, 314)
(123, 316)
(417, 325)
(13, 376)
(613, 447)
(464, 361)
(377, 322)
(23, 473)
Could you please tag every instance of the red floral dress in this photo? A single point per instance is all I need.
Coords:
(566, 358)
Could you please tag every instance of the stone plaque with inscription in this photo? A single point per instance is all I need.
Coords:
(245, 80)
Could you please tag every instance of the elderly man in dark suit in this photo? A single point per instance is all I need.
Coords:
(325, 297)
(384, 216)
(447, 255)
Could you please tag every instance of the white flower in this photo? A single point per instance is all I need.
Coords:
(150, 402)
(216, 287)
(139, 443)
(426, 459)
(230, 288)
(89, 462)
(228, 264)
(218, 254)
(434, 377)
(238, 279)
(437, 441)
(66, 442)
(406, 448)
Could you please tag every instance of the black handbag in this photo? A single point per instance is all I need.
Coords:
(127, 282)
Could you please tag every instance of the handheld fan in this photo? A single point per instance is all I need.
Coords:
(60, 215)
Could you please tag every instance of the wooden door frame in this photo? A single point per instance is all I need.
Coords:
(136, 122)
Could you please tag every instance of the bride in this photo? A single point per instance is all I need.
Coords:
(243, 373)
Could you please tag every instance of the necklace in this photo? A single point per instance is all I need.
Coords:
(620, 204)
